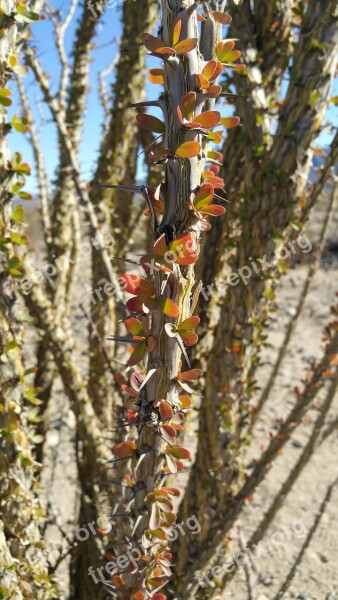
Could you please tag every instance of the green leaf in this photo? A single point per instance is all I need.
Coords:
(20, 124)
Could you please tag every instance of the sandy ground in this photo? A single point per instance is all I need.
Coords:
(317, 575)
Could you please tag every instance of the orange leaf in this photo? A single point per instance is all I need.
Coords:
(168, 307)
(202, 82)
(125, 449)
(186, 45)
(187, 105)
(230, 122)
(188, 150)
(138, 596)
(209, 69)
(156, 76)
(177, 31)
(222, 18)
(208, 119)
(190, 375)
(214, 91)
(166, 411)
(185, 401)
(189, 338)
(150, 123)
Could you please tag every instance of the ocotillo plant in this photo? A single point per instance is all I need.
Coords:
(160, 322)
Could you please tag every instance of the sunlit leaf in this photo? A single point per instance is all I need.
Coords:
(230, 57)
(168, 307)
(125, 449)
(215, 155)
(150, 123)
(176, 32)
(202, 82)
(186, 45)
(134, 326)
(187, 105)
(230, 122)
(204, 196)
(208, 119)
(188, 150)
(215, 136)
(209, 69)
(156, 76)
(189, 323)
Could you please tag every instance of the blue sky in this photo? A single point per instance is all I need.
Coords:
(107, 33)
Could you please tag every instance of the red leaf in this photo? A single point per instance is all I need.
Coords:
(150, 123)
(135, 305)
(208, 119)
(138, 595)
(166, 411)
(125, 449)
(168, 433)
(133, 284)
(156, 76)
(188, 150)
(186, 45)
